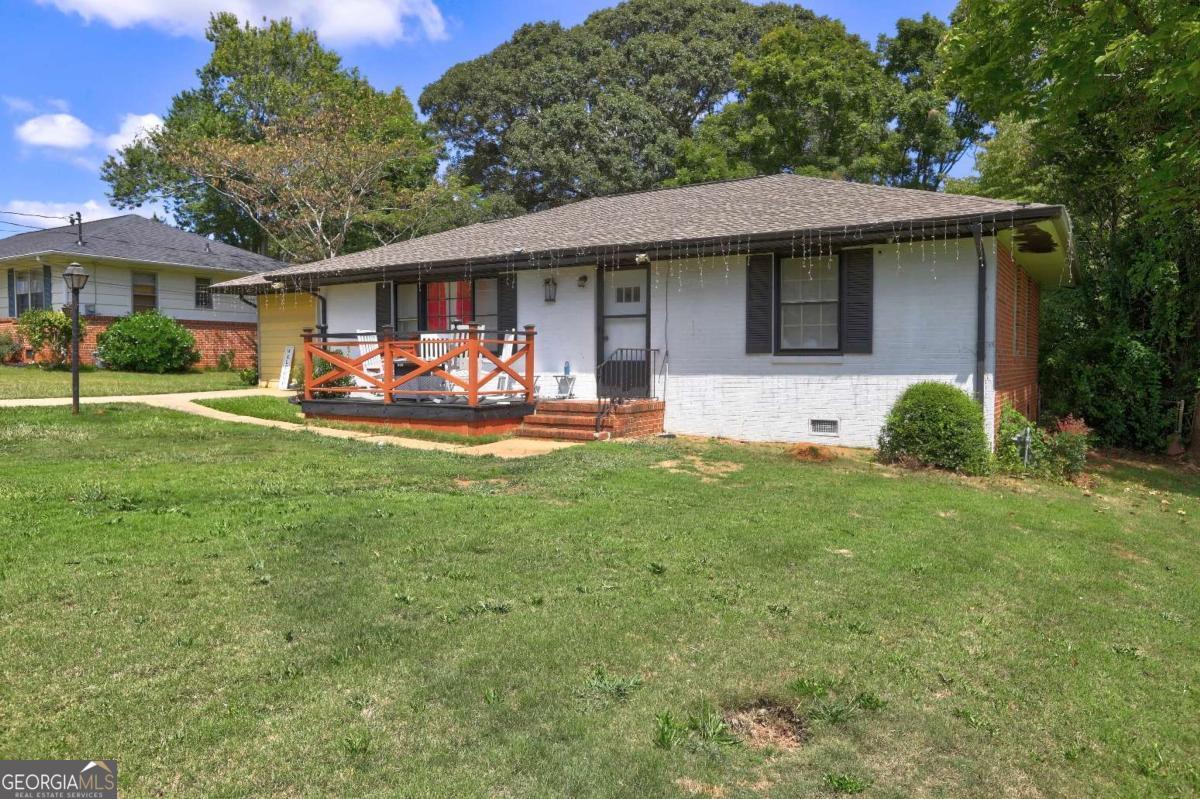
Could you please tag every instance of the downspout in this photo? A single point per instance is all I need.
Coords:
(980, 314)
(322, 316)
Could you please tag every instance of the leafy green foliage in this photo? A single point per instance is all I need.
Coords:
(936, 424)
(10, 347)
(147, 342)
(1058, 452)
(556, 114)
(1101, 100)
(48, 334)
(811, 100)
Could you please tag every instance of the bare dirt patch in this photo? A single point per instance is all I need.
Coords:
(697, 788)
(811, 453)
(1126, 554)
(767, 725)
(707, 471)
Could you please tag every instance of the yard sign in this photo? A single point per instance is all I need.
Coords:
(285, 369)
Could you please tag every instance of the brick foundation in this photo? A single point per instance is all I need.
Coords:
(636, 419)
(1017, 304)
(213, 339)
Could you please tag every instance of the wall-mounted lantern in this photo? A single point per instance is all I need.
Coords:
(582, 282)
(550, 286)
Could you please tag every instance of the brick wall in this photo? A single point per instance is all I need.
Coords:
(212, 339)
(636, 419)
(1017, 303)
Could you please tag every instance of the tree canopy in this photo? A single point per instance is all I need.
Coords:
(1099, 108)
(557, 114)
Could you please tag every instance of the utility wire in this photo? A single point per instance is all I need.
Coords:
(38, 216)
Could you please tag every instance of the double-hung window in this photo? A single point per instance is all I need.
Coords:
(28, 285)
(204, 299)
(809, 305)
(145, 291)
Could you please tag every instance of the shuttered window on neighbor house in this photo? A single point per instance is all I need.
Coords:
(811, 305)
(144, 291)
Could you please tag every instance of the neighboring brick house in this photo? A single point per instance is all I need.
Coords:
(776, 308)
(134, 264)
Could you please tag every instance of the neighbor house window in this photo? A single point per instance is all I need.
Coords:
(28, 284)
(203, 295)
(145, 291)
(808, 304)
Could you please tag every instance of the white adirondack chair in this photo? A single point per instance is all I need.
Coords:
(504, 381)
(368, 340)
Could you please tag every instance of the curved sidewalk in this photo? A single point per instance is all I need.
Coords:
(183, 402)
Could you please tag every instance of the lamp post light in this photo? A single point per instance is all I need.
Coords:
(76, 278)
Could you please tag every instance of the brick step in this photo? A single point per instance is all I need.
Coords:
(563, 419)
(561, 433)
(569, 406)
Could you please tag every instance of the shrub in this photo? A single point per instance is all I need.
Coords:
(10, 348)
(1059, 452)
(48, 334)
(248, 376)
(936, 424)
(226, 360)
(148, 342)
(324, 367)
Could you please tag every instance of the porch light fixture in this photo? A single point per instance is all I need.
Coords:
(76, 278)
(550, 286)
(582, 282)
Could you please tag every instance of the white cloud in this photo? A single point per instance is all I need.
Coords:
(132, 127)
(60, 131)
(18, 105)
(344, 21)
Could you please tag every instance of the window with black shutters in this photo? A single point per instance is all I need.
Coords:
(809, 304)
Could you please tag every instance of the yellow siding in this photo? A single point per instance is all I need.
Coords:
(281, 318)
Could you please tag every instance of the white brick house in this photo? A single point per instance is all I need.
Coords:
(777, 308)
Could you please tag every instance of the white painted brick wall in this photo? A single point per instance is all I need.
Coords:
(924, 330)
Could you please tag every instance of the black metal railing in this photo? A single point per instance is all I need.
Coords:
(628, 373)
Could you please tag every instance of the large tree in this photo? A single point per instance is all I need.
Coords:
(933, 128)
(812, 99)
(1107, 100)
(556, 114)
(283, 150)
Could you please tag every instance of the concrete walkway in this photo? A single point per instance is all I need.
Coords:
(506, 448)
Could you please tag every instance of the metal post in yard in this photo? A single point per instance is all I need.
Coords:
(76, 278)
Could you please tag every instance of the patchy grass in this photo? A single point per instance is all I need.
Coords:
(230, 611)
(281, 409)
(31, 382)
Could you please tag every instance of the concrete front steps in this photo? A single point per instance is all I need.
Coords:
(575, 420)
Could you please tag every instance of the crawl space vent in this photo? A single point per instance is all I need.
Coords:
(825, 427)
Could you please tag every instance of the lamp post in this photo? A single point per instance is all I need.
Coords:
(76, 278)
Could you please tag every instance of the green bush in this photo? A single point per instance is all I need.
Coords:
(226, 360)
(48, 334)
(936, 424)
(248, 376)
(324, 367)
(1060, 452)
(147, 342)
(10, 347)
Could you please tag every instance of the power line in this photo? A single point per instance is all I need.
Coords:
(38, 216)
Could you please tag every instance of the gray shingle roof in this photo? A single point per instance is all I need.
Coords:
(136, 238)
(736, 209)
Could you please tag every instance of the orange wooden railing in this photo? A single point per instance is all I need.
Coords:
(471, 365)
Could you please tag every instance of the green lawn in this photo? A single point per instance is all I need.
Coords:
(283, 410)
(29, 382)
(233, 611)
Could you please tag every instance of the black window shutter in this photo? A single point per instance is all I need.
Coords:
(506, 302)
(858, 309)
(760, 269)
(383, 306)
(47, 287)
(12, 293)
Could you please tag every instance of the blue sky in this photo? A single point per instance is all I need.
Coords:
(80, 77)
